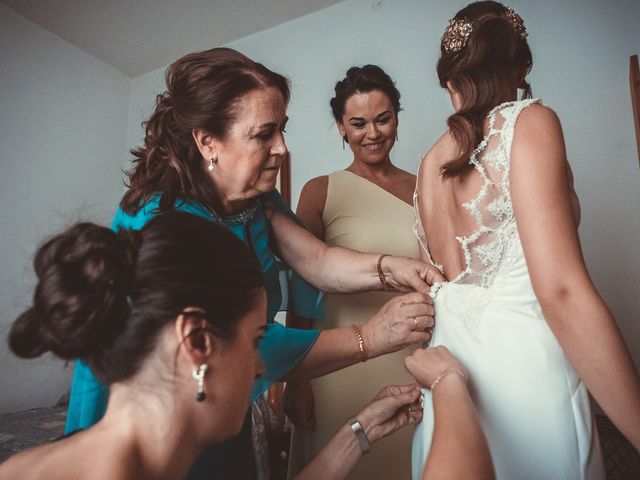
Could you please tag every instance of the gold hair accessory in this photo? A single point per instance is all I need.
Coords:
(516, 22)
(457, 32)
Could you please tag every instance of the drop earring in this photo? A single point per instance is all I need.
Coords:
(211, 167)
(198, 375)
(344, 139)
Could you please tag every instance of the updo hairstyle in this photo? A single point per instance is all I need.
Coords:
(493, 56)
(203, 90)
(363, 80)
(104, 297)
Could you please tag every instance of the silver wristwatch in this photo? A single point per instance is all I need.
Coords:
(358, 431)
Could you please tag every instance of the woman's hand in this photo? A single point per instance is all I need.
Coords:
(407, 274)
(402, 321)
(426, 364)
(394, 407)
(299, 404)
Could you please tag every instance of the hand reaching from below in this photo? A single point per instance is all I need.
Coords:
(427, 364)
(394, 407)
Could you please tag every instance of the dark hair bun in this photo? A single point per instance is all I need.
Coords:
(80, 302)
(362, 80)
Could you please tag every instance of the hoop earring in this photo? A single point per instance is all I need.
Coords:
(344, 139)
(198, 376)
(211, 167)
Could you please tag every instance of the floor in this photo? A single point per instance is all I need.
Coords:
(22, 430)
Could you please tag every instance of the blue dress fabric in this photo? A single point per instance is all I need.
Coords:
(281, 349)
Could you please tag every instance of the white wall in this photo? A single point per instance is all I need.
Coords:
(581, 54)
(63, 117)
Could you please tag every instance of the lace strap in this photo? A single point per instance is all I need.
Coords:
(510, 115)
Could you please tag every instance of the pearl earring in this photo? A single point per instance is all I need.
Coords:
(211, 167)
(198, 375)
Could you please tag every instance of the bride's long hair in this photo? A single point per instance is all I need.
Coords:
(483, 52)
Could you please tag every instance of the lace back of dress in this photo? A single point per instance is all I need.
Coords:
(486, 249)
(493, 245)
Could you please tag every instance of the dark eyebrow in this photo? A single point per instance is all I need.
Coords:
(266, 125)
(360, 119)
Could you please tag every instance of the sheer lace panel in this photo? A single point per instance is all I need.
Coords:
(486, 249)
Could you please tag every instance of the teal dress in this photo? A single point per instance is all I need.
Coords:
(281, 349)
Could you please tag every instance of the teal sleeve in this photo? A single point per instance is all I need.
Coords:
(88, 400)
(281, 350)
(304, 299)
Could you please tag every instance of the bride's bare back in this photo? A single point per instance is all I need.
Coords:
(466, 223)
(440, 208)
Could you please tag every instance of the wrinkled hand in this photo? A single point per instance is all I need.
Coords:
(408, 275)
(425, 364)
(299, 404)
(394, 407)
(402, 321)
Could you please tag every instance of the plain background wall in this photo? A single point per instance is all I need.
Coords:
(581, 53)
(63, 117)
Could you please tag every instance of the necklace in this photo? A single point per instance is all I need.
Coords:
(242, 218)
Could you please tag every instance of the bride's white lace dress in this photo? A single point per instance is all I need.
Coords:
(532, 405)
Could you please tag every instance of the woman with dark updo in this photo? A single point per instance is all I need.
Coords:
(170, 318)
(212, 148)
(366, 207)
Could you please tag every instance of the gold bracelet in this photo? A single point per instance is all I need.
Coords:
(383, 281)
(361, 346)
(444, 374)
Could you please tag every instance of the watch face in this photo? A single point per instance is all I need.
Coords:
(358, 431)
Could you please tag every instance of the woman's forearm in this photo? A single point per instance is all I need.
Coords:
(459, 447)
(341, 270)
(402, 321)
(336, 459)
(334, 349)
(591, 340)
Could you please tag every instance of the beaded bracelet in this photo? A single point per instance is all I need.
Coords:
(444, 374)
(361, 346)
(383, 281)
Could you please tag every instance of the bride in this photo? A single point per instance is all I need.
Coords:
(495, 200)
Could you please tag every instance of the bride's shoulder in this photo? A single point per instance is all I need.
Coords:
(537, 116)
